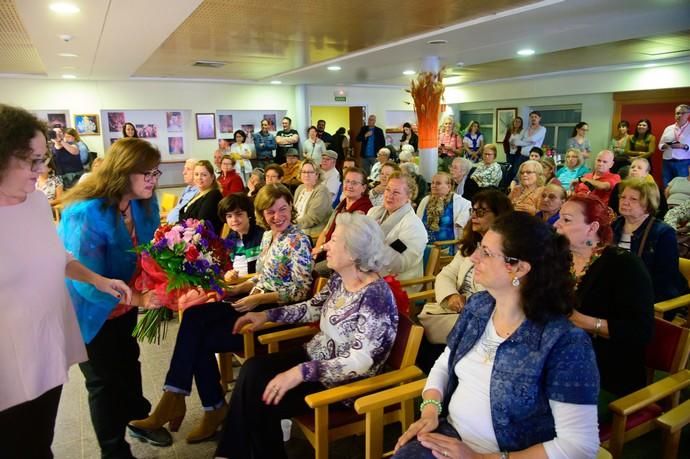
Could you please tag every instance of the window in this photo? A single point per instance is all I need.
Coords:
(485, 118)
(559, 122)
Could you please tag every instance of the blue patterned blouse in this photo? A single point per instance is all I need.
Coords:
(357, 330)
(537, 363)
(285, 265)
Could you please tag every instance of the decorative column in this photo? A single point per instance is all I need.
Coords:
(426, 90)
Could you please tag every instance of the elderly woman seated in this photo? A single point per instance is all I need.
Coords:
(358, 321)
(614, 293)
(443, 212)
(552, 198)
(255, 183)
(638, 231)
(573, 169)
(284, 276)
(526, 196)
(517, 377)
(639, 168)
(488, 172)
(455, 283)
(376, 193)
(312, 200)
(405, 235)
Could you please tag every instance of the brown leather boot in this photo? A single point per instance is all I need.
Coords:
(171, 409)
(208, 426)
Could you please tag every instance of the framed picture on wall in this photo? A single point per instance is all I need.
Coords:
(87, 124)
(205, 126)
(504, 120)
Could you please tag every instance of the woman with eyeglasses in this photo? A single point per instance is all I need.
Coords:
(312, 200)
(526, 196)
(39, 333)
(517, 378)
(578, 139)
(455, 283)
(105, 217)
(204, 205)
(376, 193)
(552, 198)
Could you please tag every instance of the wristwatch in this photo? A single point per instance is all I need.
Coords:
(505, 454)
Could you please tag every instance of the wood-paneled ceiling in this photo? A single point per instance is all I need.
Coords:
(372, 41)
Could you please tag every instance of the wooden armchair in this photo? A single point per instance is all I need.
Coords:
(331, 420)
(635, 414)
(679, 302)
(672, 423)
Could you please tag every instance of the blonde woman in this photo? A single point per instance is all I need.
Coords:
(312, 200)
(573, 169)
(526, 195)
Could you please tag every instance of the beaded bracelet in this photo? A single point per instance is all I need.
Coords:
(430, 401)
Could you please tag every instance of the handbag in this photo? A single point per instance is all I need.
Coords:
(437, 322)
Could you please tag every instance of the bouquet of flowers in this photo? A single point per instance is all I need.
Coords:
(180, 261)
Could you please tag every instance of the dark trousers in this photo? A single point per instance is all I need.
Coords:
(252, 428)
(415, 450)
(515, 161)
(26, 430)
(367, 163)
(204, 330)
(113, 381)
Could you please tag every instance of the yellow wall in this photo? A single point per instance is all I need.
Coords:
(334, 116)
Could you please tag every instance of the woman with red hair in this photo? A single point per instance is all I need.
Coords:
(614, 291)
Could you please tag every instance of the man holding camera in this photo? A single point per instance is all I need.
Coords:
(674, 144)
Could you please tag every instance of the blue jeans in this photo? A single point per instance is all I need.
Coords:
(674, 168)
(414, 449)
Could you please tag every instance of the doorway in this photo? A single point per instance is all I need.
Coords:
(336, 116)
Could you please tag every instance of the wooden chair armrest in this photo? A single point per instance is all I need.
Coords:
(631, 403)
(285, 335)
(445, 243)
(425, 295)
(363, 386)
(265, 326)
(674, 303)
(675, 419)
(389, 397)
(241, 279)
(417, 281)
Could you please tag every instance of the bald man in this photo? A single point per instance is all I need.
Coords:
(599, 183)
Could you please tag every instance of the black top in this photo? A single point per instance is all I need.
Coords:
(205, 208)
(617, 288)
(378, 138)
(66, 162)
(414, 140)
(282, 149)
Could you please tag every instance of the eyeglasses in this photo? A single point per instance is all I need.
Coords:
(680, 113)
(151, 175)
(550, 196)
(307, 172)
(352, 183)
(37, 164)
(485, 253)
(528, 172)
(479, 211)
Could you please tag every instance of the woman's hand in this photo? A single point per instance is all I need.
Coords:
(456, 302)
(283, 382)
(257, 319)
(196, 296)
(231, 276)
(428, 422)
(114, 287)
(443, 446)
(247, 303)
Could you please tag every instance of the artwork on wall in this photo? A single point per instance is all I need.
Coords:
(249, 130)
(87, 124)
(116, 120)
(205, 126)
(225, 125)
(271, 118)
(57, 120)
(504, 120)
(147, 131)
(176, 145)
(174, 121)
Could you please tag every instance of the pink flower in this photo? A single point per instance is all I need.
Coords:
(172, 237)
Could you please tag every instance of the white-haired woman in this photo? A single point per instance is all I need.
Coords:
(358, 321)
(312, 200)
(526, 195)
(407, 156)
(574, 167)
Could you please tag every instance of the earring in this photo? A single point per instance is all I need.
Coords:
(516, 282)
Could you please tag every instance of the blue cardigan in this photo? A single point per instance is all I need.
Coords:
(95, 234)
(537, 363)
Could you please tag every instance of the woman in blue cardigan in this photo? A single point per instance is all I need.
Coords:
(517, 378)
(108, 214)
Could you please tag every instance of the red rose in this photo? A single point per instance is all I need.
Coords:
(191, 253)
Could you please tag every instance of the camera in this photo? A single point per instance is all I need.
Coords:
(52, 135)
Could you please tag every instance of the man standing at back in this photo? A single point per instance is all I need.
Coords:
(265, 143)
(187, 194)
(674, 143)
(285, 139)
(372, 139)
(321, 132)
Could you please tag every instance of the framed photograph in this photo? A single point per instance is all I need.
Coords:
(57, 120)
(147, 131)
(271, 118)
(174, 121)
(504, 120)
(116, 120)
(87, 124)
(225, 124)
(176, 145)
(205, 126)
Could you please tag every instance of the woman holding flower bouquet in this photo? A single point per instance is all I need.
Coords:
(284, 276)
(106, 216)
(358, 323)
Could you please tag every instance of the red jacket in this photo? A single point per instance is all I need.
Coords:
(230, 183)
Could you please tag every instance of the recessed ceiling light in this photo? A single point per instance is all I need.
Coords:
(526, 52)
(68, 76)
(276, 82)
(437, 42)
(333, 68)
(68, 55)
(409, 72)
(460, 64)
(64, 8)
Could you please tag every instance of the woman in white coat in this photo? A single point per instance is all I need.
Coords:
(405, 233)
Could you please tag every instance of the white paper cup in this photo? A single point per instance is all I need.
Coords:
(286, 425)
